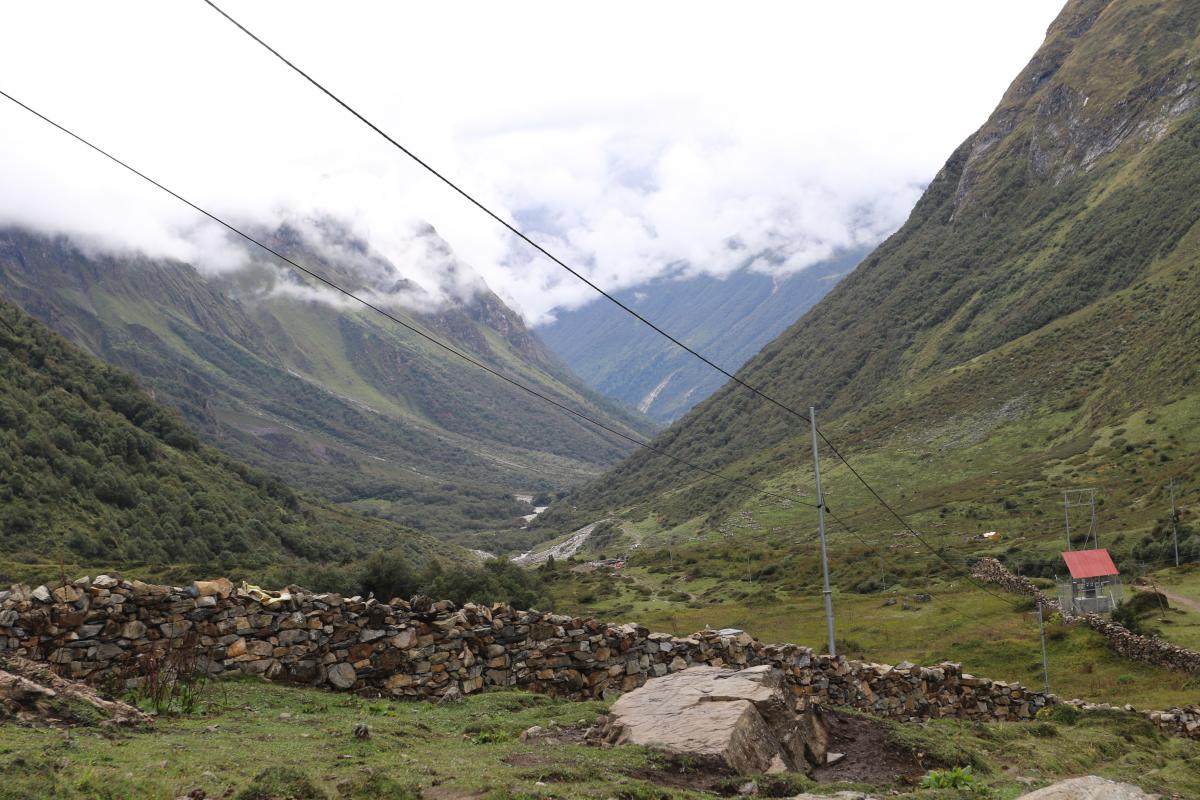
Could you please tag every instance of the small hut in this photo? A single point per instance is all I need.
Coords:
(1094, 585)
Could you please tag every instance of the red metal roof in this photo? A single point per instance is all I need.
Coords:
(1090, 563)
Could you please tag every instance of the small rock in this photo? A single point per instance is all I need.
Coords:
(342, 675)
(748, 788)
(134, 629)
(530, 733)
(362, 731)
(173, 630)
(221, 587)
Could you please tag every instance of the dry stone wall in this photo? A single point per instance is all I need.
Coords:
(1126, 643)
(100, 629)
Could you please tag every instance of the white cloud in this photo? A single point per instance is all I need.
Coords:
(627, 137)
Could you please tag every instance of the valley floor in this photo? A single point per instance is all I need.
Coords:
(261, 741)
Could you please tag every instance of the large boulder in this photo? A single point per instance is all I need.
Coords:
(1089, 788)
(743, 720)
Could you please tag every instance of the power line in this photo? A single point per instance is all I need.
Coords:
(510, 227)
(899, 518)
(432, 339)
(515, 231)
(540, 249)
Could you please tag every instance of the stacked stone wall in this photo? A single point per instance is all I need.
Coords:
(1148, 649)
(101, 629)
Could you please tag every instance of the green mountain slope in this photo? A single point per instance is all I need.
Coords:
(95, 472)
(1033, 325)
(728, 319)
(335, 400)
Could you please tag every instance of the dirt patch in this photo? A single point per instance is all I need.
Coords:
(562, 734)
(682, 774)
(869, 754)
(869, 757)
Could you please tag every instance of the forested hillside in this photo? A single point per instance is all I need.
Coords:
(334, 399)
(728, 318)
(1033, 325)
(95, 472)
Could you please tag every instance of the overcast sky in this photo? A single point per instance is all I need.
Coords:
(629, 137)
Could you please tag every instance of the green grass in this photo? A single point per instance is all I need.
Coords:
(1179, 624)
(961, 623)
(1030, 328)
(268, 742)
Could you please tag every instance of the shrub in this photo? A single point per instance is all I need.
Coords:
(1060, 713)
(171, 680)
(1043, 730)
(276, 783)
(1126, 614)
(388, 575)
(876, 583)
(953, 778)
(1024, 605)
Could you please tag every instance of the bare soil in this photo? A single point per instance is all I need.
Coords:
(870, 756)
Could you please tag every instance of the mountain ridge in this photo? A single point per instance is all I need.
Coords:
(98, 473)
(337, 401)
(729, 318)
(1072, 288)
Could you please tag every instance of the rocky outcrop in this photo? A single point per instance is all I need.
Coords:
(744, 720)
(1089, 788)
(1126, 643)
(102, 628)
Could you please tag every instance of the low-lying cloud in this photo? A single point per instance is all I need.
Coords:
(632, 140)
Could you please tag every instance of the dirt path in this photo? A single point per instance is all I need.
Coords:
(1179, 600)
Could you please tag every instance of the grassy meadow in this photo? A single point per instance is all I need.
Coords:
(259, 741)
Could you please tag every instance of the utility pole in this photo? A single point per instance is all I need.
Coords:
(1174, 522)
(1067, 512)
(812, 417)
(1045, 660)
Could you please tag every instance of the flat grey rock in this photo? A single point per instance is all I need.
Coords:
(745, 720)
(1089, 787)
